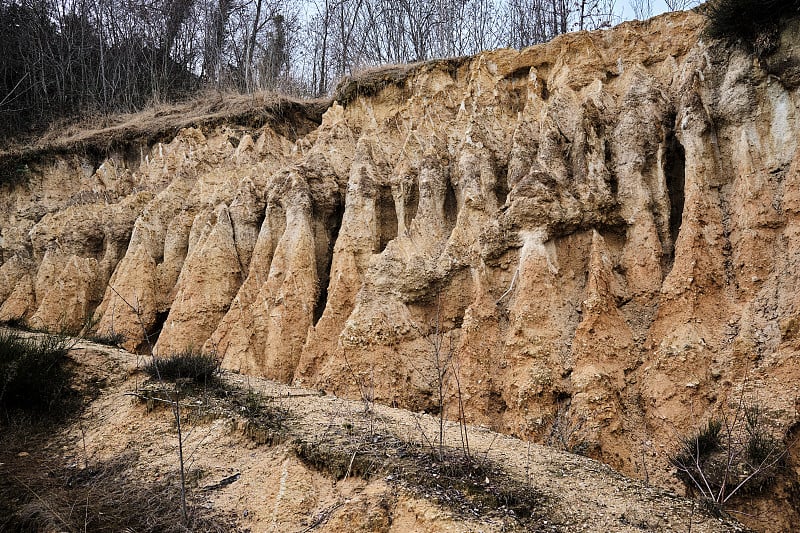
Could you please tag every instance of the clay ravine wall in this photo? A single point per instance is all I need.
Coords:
(607, 225)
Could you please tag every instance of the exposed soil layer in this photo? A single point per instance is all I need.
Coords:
(602, 230)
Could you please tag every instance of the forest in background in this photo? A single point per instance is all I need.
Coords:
(63, 58)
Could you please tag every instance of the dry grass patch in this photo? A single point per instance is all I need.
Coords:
(370, 82)
(470, 488)
(98, 136)
(39, 493)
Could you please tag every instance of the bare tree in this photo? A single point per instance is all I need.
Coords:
(642, 9)
(214, 39)
(594, 14)
(680, 5)
(441, 372)
(528, 22)
(441, 352)
(64, 57)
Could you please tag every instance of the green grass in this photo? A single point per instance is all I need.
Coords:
(736, 454)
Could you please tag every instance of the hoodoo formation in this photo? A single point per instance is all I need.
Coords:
(604, 228)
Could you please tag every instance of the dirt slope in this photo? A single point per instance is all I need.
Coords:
(274, 486)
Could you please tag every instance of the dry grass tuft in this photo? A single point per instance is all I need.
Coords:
(33, 372)
(39, 493)
(189, 364)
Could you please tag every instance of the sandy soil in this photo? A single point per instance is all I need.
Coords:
(292, 476)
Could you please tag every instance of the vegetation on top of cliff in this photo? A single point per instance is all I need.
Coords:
(370, 82)
(65, 59)
(755, 22)
(99, 137)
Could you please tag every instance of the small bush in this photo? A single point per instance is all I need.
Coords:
(109, 339)
(733, 454)
(754, 21)
(464, 485)
(18, 322)
(706, 441)
(187, 365)
(266, 421)
(568, 431)
(32, 370)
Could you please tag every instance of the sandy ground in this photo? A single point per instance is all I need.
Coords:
(232, 468)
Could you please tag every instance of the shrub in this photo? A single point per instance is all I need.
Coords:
(32, 370)
(109, 339)
(16, 323)
(186, 365)
(568, 430)
(734, 454)
(754, 21)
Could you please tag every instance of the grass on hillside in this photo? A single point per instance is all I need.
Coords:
(33, 371)
(191, 365)
(99, 136)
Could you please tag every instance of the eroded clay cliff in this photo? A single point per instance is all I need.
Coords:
(607, 224)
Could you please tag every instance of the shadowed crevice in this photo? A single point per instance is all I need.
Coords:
(450, 207)
(675, 176)
(385, 218)
(411, 204)
(332, 225)
(154, 331)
